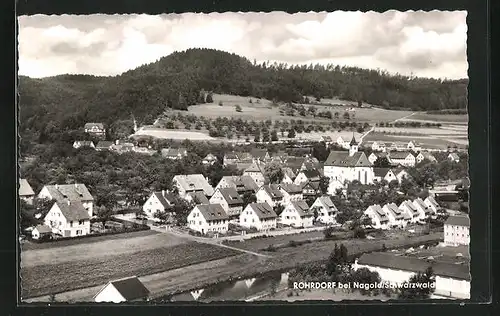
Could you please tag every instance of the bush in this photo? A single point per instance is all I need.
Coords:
(292, 243)
(359, 233)
(238, 108)
(270, 248)
(220, 103)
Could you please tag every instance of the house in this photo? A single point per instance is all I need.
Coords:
(209, 159)
(392, 147)
(395, 215)
(25, 191)
(197, 197)
(130, 289)
(192, 183)
(68, 219)
(158, 202)
(326, 139)
(349, 166)
(422, 208)
(379, 218)
(452, 279)
(143, 150)
(386, 174)
(290, 192)
(280, 156)
(425, 155)
(334, 186)
(69, 192)
(378, 146)
(256, 172)
(288, 175)
(41, 231)
(432, 204)
(270, 194)
(456, 230)
(403, 158)
(295, 163)
(411, 211)
(122, 146)
(311, 189)
(453, 157)
(259, 155)
(310, 175)
(229, 199)
(414, 146)
(242, 184)
(174, 153)
(230, 159)
(258, 215)
(95, 129)
(326, 210)
(297, 214)
(104, 145)
(83, 143)
(208, 218)
(374, 156)
(400, 174)
(342, 143)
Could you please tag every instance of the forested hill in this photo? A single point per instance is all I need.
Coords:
(68, 101)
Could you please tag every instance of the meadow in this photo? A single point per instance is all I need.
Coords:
(173, 134)
(443, 118)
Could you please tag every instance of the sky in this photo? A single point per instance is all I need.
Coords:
(424, 44)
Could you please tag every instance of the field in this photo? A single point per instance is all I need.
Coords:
(346, 135)
(172, 134)
(445, 118)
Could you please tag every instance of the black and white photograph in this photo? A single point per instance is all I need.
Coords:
(243, 156)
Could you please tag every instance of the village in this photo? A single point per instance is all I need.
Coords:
(276, 194)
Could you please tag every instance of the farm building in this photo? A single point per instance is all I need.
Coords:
(130, 289)
(258, 215)
(425, 155)
(349, 166)
(208, 218)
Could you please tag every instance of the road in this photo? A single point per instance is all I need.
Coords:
(373, 127)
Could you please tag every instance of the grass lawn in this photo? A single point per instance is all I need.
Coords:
(173, 134)
(261, 243)
(422, 131)
(436, 142)
(104, 248)
(53, 278)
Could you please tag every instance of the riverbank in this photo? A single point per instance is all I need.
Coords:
(162, 285)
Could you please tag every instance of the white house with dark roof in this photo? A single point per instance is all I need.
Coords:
(432, 204)
(68, 219)
(377, 155)
(412, 145)
(297, 214)
(256, 172)
(76, 192)
(208, 218)
(230, 200)
(104, 145)
(386, 174)
(258, 215)
(326, 139)
(349, 166)
(457, 230)
(379, 218)
(129, 289)
(25, 192)
(83, 143)
(40, 231)
(230, 158)
(378, 146)
(288, 175)
(396, 216)
(157, 202)
(400, 174)
(411, 210)
(270, 194)
(197, 197)
(453, 157)
(95, 129)
(404, 158)
(174, 153)
(422, 208)
(425, 155)
(290, 192)
(334, 186)
(209, 159)
(242, 184)
(308, 175)
(342, 143)
(326, 209)
(192, 183)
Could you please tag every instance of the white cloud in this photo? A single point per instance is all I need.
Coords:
(423, 43)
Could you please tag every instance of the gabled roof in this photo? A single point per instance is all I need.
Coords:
(432, 201)
(212, 212)
(454, 156)
(291, 188)
(165, 198)
(289, 172)
(209, 157)
(254, 167)
(72, 192)
(380, 172)
(295, 163)
(302, 208)
(327, 202)
(419, 202)
(312, 184)
(43, 229)
(231, 196)
(326, 138)
(412, 264)
(74, 211)
(90, 125)
(198, 197)
(258, 153)
(194, 182)
(394, 210)
(458, 221)
(173, 152)
(342, 159)
(409, 204)
(25, 188)
(231, 155)
(312, 174)
(104, 144)
(379, 212)
(241, 183)
(84, 142)
(130, 288)
(399, 154)
(263, 210)
(272, 190)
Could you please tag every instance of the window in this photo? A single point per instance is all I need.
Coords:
(79, 232)
(71, 223)
(199, 223)
(80, 222)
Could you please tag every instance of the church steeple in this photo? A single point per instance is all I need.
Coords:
(353, 146)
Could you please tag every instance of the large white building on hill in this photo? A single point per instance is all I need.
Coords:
(349, 166)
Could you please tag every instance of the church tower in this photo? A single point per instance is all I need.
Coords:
(353, 146)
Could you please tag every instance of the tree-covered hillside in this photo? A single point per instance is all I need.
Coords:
(66, 102)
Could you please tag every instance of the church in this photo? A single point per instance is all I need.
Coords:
(349, 166)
